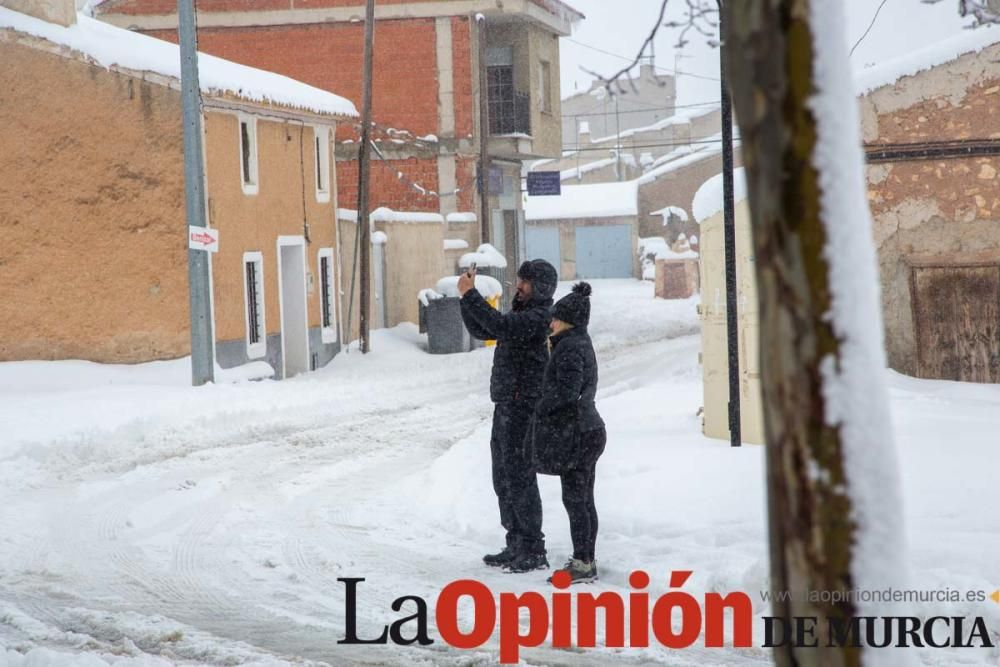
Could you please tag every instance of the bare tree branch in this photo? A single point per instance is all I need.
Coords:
(700, 16)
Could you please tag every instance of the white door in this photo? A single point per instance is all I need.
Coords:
(292, 299)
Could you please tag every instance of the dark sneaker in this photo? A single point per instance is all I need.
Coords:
(580, 572)
(500, 559)
(527, 563)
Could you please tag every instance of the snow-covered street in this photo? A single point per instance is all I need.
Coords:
(147, 522)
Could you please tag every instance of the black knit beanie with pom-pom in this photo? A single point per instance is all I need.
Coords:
(574, 308)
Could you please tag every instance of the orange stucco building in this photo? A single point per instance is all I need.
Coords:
(93, 235)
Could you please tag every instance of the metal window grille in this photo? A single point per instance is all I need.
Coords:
(245, 146)
(253, 302)
(510, 111)
(319, 167)
(327, 292)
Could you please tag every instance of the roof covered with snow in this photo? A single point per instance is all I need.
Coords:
(708, 200)
(112, 47)
(938, 53)
(679, 118)
(596, 200)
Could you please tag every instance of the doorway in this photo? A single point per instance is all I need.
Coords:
(292, 302)
(957, 315)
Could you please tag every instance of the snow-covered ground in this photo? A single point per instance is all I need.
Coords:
(145, 522)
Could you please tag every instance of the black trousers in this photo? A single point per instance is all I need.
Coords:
(578, 495)
(514, 479)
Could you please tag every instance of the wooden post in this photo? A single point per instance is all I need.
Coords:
(364, 225)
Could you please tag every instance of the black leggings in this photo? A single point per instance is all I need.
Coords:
(578, 495)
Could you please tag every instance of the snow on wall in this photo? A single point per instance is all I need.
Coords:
(685, 156)
(709, 199)
(109, 46)
(676, 211)
(891, 71)
(455, 244)
(461, 217)
(597, 200)
(425, 296)
(488, 286)
(854, 388)
(485, 256)
(577, 172)
(384, 214)
(679, 118)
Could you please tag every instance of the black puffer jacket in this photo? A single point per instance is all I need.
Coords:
(521, 335)
(566, 408)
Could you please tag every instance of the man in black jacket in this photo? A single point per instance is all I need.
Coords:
(515, 385)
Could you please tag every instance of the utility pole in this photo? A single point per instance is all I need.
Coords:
(732, 331)
(484, 132)
(202, 353)
(364, 167)
(618, 131)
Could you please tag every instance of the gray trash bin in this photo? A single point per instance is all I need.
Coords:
(446, 333)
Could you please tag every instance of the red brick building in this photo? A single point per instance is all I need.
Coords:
(426, 85)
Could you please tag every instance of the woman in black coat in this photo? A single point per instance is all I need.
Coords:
(567, 434)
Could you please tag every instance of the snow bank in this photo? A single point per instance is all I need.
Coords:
(597, 200)
(455, 244)
(854, 381)
(43, 657)
(709, 199)
(891, 71)
(486, 285)
(485, 256)
(113, 47)
(17, 377)
(384, 214)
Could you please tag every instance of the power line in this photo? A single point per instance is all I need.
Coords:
(611, 113)
(572, 150)
(659, 69)
(870, 26)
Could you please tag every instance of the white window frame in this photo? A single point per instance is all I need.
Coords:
(251, 186)
(329, 334)
(321, 158)
(256, 350)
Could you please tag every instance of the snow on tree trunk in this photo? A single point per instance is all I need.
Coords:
(835, 516)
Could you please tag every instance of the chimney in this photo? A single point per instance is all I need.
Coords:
(61, 12)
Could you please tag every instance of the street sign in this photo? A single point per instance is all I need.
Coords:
(544, 184)
(203, 238)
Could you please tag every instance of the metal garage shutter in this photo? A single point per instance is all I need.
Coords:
(543, 243)
(604, 252)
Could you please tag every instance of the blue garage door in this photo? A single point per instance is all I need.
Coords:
(604, 252)
(543, 243)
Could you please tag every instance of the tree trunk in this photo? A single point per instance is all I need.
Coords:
(770, 60)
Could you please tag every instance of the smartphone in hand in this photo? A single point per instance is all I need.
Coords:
(471, 269)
